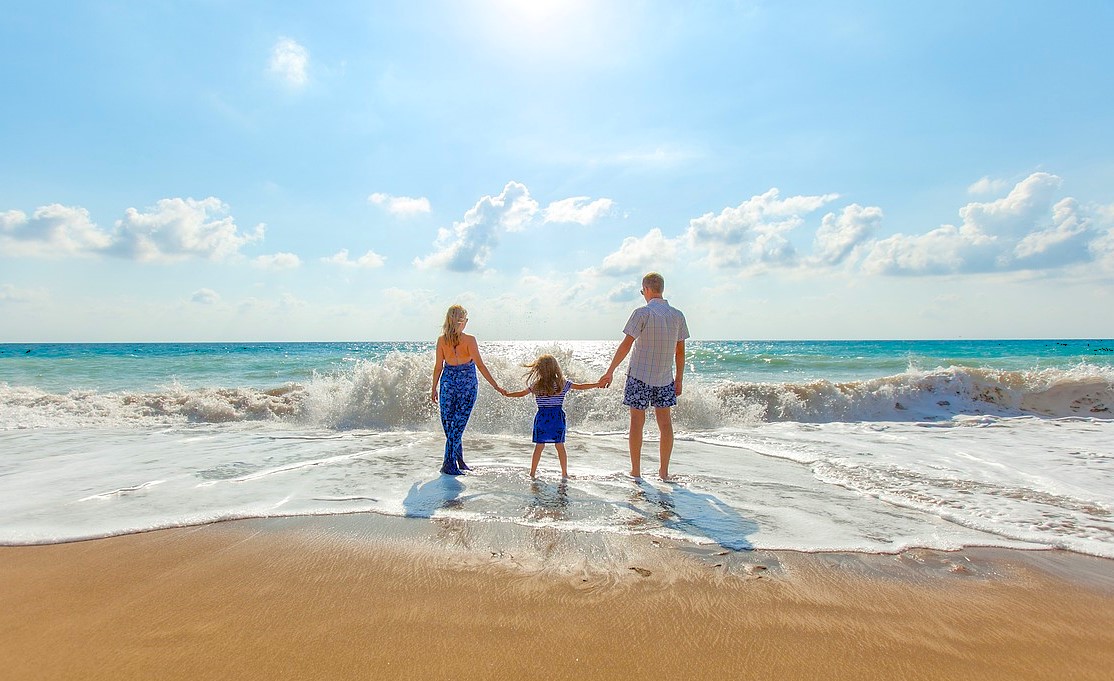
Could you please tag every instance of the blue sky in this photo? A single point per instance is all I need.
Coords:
(218, 170)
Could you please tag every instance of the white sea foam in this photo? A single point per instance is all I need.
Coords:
(394, 395)
(1047, 481)
(879, 487)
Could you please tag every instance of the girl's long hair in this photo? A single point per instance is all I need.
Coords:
(450, 330)
(545, 377)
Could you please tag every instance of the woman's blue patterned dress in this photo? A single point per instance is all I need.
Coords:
(456, 399)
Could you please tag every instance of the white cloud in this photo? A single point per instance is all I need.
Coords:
(53, 230)
(403, 206)
(623, 293)
(9, 293)
(1017, 213)
(278, 261)
(838, 236)
(579, 209)
(289, 301)
(1023, 230)
(205, 296)
(289, 62)
(1102, 248)
(180, 228)
(367, 261)
(513, 209)
(640, 255)
(988, 186)
(1065, 242)
(409, 300)
(173, 230)
(574, 293)
(531, 281)
(754, 231)
(251, 304)
(467, 246)
(940, 251)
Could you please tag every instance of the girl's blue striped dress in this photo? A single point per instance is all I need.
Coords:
(549, 424)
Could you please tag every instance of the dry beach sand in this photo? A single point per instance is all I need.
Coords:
(360, 596)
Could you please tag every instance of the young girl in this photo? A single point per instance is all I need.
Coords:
(549, 388)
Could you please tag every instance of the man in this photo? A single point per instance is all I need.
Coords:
(657, 332)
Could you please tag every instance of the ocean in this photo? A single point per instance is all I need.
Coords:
(866, 446)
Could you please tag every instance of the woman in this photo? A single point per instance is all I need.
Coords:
(454, 370)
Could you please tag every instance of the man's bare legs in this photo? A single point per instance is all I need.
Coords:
(665, 447)
(634, 441)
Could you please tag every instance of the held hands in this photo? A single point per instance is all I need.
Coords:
(507, 393)
(605, 380)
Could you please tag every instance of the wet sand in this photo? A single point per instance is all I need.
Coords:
(369, 597)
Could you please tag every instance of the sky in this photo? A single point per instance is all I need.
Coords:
(222, 170)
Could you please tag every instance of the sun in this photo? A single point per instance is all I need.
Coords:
(546, 29)
(539, 13)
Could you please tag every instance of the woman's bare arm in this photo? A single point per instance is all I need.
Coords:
(438, 366)
(475, 352)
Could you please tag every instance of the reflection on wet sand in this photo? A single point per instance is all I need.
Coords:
(548, 501)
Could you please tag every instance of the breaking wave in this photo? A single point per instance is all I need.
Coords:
(393, 394)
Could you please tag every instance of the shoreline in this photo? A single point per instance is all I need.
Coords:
(361, 595)
(414, 534)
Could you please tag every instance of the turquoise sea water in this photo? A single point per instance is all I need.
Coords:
(141, 366)
(854, 360)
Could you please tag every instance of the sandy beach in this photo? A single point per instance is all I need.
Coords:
(371, 597)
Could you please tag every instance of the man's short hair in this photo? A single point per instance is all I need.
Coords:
(654, 282)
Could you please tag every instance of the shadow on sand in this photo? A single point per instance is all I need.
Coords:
(694, 513)
(425, 498)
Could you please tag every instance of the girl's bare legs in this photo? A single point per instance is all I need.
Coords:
(537, 457)
(563, 458)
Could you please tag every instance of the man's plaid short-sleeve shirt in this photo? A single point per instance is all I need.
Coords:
(656, 328)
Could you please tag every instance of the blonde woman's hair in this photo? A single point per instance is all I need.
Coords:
(545, 377)
(450, 330)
